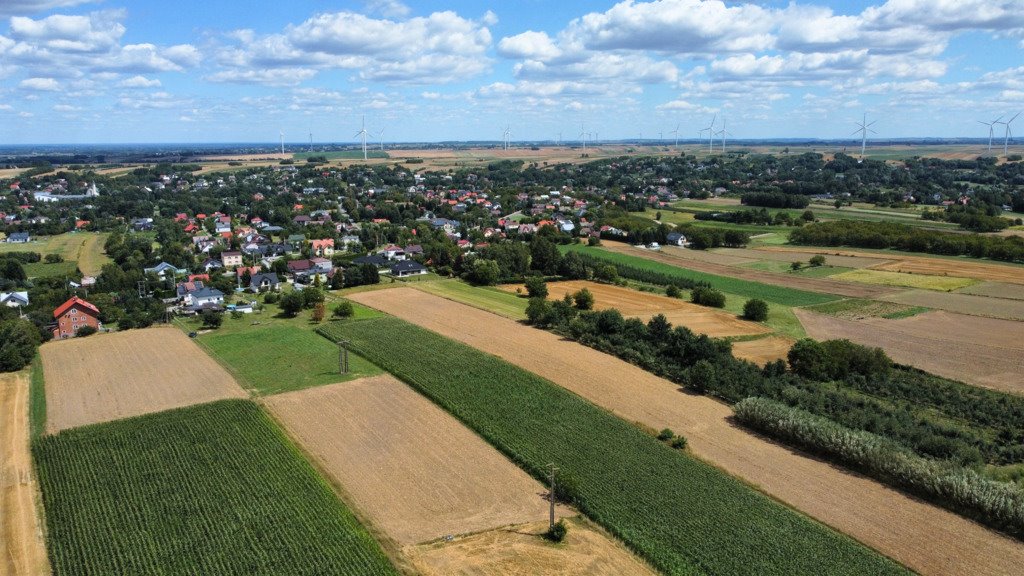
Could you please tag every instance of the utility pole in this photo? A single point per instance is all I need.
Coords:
(343, 356)
(551, 497)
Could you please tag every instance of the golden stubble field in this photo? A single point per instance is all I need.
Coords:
(925, 538)
(22, 544)
(110, 376)
(450, 501)
(644, 305)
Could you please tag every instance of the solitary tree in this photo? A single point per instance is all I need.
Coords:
(755, 309)
(292, 303)
(584, 299)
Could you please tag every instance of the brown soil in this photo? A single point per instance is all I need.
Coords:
(763, 350)
(22, 546)
(897, 262)
(995, 290)
(644, 305)
(926, 538)
(962, 303)
(413, 469)
(109, 376)
(522, 551)
(791, 256)
(677, 256)
(981, 351)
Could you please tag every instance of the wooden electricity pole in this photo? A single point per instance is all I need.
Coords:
(551, 498)
(343, 356)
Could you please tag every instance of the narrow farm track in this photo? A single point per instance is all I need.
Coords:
(923, 537)
(676, 256)
(22, 548)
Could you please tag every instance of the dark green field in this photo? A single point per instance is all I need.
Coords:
(212, 489)
(681, 515)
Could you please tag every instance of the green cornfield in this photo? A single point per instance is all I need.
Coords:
(682, 515)
(211, 489)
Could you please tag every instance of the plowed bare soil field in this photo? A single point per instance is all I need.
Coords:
(964, 267)
(925, 538)
(110, 376)
(982, 351)
(22, 547)
(995, 290)
(763, 350)
(677, 256)
(644, 305)
(520, 551)
(413, 469)
(961, 303)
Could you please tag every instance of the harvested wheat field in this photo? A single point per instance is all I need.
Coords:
(413, 469)
(763, 350)
(984, 352)
(961, 303)
(995, 290)
(521, 551)
(934, 266)
(644, 305)
(905, 280)
(22, 546)
(755, 254)
(677, 256)
(110, 376)
(926, 538)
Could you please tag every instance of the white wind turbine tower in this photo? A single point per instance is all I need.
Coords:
(675, 133)
(723, 133)
(282, 141)
(505, 136)
(865, 127)
(363, 133)
(311, 139)
(1006, 137)
(583, 136)
(711, 133)
(991, 130)
(381, 136)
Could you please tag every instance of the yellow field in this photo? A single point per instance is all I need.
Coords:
(885, 278)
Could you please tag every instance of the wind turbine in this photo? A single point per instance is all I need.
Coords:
(381, 135)
(282, 141)
(865, 127)
(583, 136)
(1006, 138)
(310, 139)
(559, 141)
(723, 133)
(711, 133)
(991, 130)
(363, 133)
(505, 135)
(676, 134)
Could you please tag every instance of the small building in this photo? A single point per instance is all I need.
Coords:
(19, 238)
(676, 239)
(407, 268)
(73, 315)
(164, 269)
(14, 299)
(231, 259)
(392, 252)
(204, 298)
(378, 260)
(323, 248)
(268, 282)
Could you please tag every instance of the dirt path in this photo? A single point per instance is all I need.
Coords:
(22, 547)
(985, 352)
(677, 256)
(921, 536)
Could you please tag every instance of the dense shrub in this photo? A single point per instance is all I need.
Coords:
(707, 297)
(755, 310)
(343, 310)
(997, 504)
(837, 360)
(536, 287)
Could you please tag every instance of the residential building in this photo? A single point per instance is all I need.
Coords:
(73, 315)
(231, 259)
(323, 248)
(18, 238)
(14, 299)
(264, 282)
(407, 268)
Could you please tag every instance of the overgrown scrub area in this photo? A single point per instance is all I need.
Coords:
(683, 516)
(908, 238)
(663, 274)
(212, 489)
(997, 504)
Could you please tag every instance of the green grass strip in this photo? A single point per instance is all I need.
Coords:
(211, 489)
(37, 399)
(682, 515)
(745, 288)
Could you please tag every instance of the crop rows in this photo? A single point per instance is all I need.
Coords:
(683, 516)
(212, 489)
(659, 273)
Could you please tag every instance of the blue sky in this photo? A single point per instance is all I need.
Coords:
(121, 71)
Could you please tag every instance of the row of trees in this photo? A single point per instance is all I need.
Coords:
(903, 237)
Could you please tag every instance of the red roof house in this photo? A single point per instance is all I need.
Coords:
(72, 315)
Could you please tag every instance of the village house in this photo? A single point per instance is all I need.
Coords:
(264, 282)
(323, 248)
(14, 299)
(73, 315)
(231, 259)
